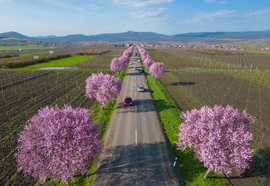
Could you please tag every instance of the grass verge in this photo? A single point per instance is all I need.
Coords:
(192, 170)
(101, 117)
(60, 62)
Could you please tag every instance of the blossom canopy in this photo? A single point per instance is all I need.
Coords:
(220, 137)
(157, 70)
(103, 87)
(148, 62)
(58, 143)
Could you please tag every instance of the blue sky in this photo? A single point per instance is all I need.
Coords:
(90, 17)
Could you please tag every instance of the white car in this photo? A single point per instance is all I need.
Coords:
(139, 61)
(130, 63)
(140, 88)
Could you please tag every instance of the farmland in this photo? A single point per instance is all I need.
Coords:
(243, 81)
(23, 91)
(23, 47)
(61, 62)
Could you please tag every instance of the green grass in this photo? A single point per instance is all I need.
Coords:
(101, 117)
(22, 47)
(23, 55)
(158, 53)
(61, 62)
(192, 170)
(258, 51)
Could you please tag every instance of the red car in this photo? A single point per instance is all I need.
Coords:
(128, 101)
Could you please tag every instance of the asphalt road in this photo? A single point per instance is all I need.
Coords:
(135, 157)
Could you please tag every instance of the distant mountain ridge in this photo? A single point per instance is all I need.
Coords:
(142, 36)
(240, 35)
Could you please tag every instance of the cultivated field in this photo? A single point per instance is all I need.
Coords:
(24, 91)
(194, 80)
(24, 47)
(61, 62)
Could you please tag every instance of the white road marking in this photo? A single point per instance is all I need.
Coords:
(135, 84)
(136, 136)
(135, 93)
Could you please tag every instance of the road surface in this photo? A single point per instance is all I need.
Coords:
(135, 156)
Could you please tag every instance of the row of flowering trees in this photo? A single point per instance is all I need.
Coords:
(156, 69)
(118, 64)
(59, 142)
(220, 137)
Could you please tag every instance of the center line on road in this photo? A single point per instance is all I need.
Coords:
(136, 136)
(135, 94)
(135, 84)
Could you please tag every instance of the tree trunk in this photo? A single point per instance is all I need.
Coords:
(207, 173)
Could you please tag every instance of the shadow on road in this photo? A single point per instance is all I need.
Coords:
(141, 105)
(136, 73)
(136, 164)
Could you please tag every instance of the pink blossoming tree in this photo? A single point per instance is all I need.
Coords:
(128, 52)
(157, 70)
(220, 138)
(58, 143)
(118, 64)
(104, 87)
(148, 62)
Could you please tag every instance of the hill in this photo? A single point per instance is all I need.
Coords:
(145, 36)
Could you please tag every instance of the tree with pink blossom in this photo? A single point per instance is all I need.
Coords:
(104, 87)
(123, 60)
(58, 143)
(157, 70)
(220, 138)
(148, 62)
(118, 64)
(128, 52)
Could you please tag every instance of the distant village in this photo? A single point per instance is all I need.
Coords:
(206, 46)
(14, 42)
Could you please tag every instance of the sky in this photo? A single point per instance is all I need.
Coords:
(170, 17)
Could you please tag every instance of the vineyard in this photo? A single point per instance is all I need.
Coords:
(23, 92)
(242, 81)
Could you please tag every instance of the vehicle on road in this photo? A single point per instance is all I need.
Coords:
(140, 88)
(128, 101)
(135, 68)
(130, 63)
(139, 61)
(141, 71)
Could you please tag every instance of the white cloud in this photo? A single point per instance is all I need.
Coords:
(89, 5)
(141, 3)
(5, 1)
(157, 15)
(202, 17)
(264, 13)
(214, 1)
